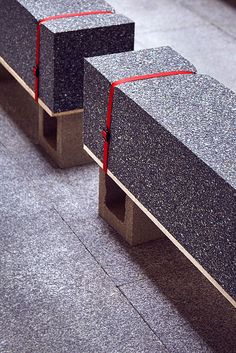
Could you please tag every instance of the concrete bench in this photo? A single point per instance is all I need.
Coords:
(56, 82)
(171, 152)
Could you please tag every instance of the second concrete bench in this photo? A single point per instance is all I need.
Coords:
(171, 150)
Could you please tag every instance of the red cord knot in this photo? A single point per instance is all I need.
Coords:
(106, 135)
(36, 71)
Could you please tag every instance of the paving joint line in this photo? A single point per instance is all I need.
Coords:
(171, 30)
(4, 145)
(223, 31)
(63, 219)
(208, 21)
(142, 317)
(117, 286)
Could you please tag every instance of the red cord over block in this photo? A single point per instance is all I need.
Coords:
(106, 133)
(36, 70)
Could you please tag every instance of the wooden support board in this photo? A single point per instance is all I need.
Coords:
(164, 230)
(31, 92)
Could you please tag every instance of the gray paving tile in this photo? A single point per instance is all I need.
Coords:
(55, 297)
(73, 192)
(209, 49)
(18, 120)
(6, 163)
(186, 311)
(18, 197)
(158, 15)
(124, 263)
(218, 12)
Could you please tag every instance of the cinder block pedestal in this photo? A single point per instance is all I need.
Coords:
(119, 211)
(61, 138)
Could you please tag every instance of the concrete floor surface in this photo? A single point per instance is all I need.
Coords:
(68, 283)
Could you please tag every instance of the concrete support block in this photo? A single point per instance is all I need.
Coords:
(61, 137)
(122, 214)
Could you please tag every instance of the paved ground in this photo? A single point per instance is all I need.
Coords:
(68, 283)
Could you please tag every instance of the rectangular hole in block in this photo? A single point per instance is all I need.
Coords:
(50, 130)
(115, 198)
(4, 74)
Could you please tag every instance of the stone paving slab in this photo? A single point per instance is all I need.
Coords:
(54, 295)
(72, 191)
(158, 15)
(220, 13)
(186, 311)
(57, 288)
(125, 264)
(66, 302)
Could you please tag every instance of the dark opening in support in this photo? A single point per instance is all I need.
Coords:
(50, 130)
(115, 199)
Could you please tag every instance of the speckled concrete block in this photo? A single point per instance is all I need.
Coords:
(118, 210)
(173, 148)
(61, 137)
(64, 44)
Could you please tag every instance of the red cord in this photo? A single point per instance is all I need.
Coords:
(106, 133)
(37, 60)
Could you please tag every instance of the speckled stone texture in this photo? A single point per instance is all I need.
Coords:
(61, 266)
(173, 147)
(64, 44)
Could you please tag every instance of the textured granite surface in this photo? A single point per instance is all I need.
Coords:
(41, 8)
(173, 147)
(64, 44)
